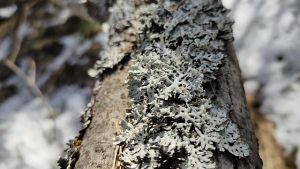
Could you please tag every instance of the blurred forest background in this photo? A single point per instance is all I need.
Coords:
(47, 47)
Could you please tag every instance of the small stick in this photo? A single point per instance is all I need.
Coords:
(31, 85)
(115, 157)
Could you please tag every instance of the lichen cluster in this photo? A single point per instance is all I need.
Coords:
(172, 123)
(129, 19)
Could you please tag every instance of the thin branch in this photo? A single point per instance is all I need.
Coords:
(115, 157)
(15, 50)
(31, 85)
(17, 41)
(32, 71)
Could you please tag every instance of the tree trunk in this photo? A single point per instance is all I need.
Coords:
(183, 105)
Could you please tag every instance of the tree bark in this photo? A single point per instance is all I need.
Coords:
(128, 38)
(98, 151)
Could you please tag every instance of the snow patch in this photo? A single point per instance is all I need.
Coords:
(33, 137)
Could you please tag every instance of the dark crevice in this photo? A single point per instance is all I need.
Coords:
(235, 162)
(156, 28)
(172, 162)
(107, 72)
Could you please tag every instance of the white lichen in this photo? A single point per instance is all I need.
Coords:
(172, 123)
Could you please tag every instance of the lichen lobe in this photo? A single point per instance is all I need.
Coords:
(172, 122)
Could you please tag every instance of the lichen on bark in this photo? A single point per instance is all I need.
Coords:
(180, 46)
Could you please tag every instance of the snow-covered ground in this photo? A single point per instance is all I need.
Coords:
(267, 34)
(31, 136)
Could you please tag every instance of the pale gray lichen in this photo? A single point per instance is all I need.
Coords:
(128, 19)
(172, 123)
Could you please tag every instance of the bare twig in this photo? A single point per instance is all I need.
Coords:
(29, 80)
(17, 40)
(31, 85)
(15, 48)
(115, 157)
(32, 71)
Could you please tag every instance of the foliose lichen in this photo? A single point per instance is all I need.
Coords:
(128, 20)
(172, 123)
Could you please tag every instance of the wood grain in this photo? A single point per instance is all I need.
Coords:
(97, 150)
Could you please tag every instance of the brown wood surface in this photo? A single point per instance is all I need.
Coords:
(97, 149)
